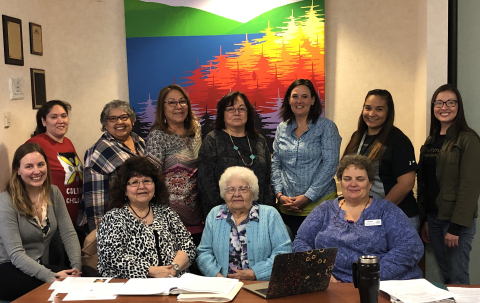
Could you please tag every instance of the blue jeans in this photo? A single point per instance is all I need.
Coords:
(415, 220)
(453, 262)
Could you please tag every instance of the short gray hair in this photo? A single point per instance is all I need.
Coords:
(114, 105)
(243, 173)
(360, 162)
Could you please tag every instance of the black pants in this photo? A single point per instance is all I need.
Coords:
(14, 283)
(293, 222)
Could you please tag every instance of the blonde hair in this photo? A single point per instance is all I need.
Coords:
(16, 187)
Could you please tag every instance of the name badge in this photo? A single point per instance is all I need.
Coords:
(376, 222)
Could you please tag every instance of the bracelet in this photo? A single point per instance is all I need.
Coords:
(278, 199)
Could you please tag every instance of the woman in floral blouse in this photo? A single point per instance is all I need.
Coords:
(241, 218)
(172, 145)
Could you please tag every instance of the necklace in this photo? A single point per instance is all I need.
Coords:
(142, 219)
(349, 221)
(251, 153)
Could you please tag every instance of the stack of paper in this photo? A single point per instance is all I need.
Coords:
(466, 295)
(211, 297)
(84, 289)
(203, 288)
(414, 291)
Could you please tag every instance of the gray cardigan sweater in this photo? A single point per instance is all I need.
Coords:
(22, 242)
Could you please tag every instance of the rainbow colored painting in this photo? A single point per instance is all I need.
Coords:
(210, 53)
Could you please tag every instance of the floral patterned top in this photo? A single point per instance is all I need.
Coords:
(176, 156)
(238, 255)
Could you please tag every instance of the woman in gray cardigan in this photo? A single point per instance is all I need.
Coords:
(31, 210)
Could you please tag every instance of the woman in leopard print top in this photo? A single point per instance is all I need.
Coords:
(143, 238)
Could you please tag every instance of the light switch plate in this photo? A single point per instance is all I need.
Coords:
(16, 88)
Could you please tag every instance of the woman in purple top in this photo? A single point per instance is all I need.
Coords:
(359, 224)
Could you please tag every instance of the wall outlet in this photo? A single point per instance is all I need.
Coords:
(16, 88)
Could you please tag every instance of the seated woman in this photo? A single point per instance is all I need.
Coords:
(361, 225)
(255, 233)
(144, 237)
(31, 210)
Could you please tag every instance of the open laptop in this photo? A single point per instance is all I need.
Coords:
(297, 273)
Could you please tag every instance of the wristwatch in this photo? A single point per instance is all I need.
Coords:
(176, 267)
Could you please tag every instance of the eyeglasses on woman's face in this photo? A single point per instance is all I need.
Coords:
(233, 110)
(136, 183)
(241, 189)
(173, 103)
(449, 103)
(114, 119)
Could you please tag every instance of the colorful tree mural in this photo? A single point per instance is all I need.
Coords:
(261, 64)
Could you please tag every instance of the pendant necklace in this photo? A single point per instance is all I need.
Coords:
(236, 148)
(142, 219)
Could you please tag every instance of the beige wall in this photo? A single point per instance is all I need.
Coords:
(396, 45)
(400, 46)
(85, 64)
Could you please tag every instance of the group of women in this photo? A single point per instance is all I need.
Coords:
(153, 202)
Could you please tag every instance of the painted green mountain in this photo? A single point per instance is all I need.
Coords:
(148, 19)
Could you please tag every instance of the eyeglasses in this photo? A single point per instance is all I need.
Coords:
(242, 189)
(136, 183)
(174, 103)
(232, 110)
(114, 119)
(440, 103)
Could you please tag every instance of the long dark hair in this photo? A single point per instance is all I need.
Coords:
(229, 100)
(378, 146)
(286, 112)
(161, 123)
(459, 122)
(43, 112)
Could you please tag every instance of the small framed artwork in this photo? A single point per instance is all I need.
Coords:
(12, 40)
(36, 46)
(39, 92)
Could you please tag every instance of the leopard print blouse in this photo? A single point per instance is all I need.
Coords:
(126, 247)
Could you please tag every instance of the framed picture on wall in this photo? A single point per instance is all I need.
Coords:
(12, 40)
(36, 46)
(39, 92)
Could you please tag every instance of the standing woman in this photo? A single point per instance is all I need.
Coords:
(234, 142)
(65, 166)
(449, 185)
(390, 151)
(172, 145)
(31, 211)
(305, 155)
(117, 144)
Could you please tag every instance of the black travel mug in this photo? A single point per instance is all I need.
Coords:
(366, 277)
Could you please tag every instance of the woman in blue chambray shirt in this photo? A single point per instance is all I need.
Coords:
(305, 155)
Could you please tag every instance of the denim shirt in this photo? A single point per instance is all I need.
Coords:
(306, 165)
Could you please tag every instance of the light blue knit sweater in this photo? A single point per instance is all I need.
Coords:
(265, 239)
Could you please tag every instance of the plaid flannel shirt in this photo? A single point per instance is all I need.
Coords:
(101, 163)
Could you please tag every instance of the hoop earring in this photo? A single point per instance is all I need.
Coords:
(164, 121)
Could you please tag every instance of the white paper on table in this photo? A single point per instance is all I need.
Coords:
(150, 286)
(465, 295)
(414, 291)
(67, 283)
(194, 283)
(97, 291)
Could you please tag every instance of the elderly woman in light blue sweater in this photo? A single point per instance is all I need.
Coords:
(241, 237)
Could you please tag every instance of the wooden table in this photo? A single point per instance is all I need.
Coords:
(336, 292)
